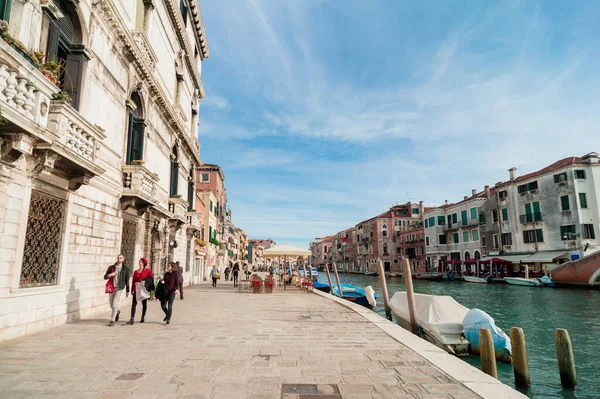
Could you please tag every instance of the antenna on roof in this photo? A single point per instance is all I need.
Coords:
(519, 169)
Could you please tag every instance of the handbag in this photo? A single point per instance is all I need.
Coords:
(110, 286)
(140, 291)
(216, 275)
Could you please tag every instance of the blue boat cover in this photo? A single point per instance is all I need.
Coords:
(476, 319)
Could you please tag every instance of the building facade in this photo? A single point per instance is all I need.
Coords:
(99, 103)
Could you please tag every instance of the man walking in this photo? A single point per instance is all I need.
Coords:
(119, 273)
(180, 272)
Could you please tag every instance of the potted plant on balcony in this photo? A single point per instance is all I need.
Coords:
(51, 70)
(61, 96)
(138, 162)
(200, 242)
(177, 196)
(19, 47)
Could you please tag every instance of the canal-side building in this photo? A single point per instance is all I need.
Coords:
(321, 249)
(409, 237)
(553, 211)
(343, 251)
(99, 103)
(452, 230)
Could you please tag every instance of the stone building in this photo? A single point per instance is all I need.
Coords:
(99, 102)
(321, 249)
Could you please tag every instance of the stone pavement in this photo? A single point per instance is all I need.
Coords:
(224, 344)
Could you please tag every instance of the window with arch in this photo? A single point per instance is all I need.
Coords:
(467, 255)
(477, 255)
(62, 37)
(135, 130)
(385, 249)
(174, 186)
(384, 230)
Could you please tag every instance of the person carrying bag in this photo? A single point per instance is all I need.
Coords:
(118, 280)
(138, 287)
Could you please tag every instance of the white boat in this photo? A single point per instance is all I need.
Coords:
(523, 281)
(440, 320)
(474, 279)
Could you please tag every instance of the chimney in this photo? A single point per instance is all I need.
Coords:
(421, 208)
(473, 192)
(590, 158)
(465, 197)
(446, 201)
(513, 173)
(487, 192)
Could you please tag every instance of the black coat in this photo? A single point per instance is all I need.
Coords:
(160, 291)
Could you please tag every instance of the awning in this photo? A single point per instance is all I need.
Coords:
(509, 258)
(547, 257)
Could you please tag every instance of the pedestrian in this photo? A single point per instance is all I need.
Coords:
(142, 273)
(214, 273)
(119, 274)
(227, 271)
(180, 287)
(236, 271)
(171, 282)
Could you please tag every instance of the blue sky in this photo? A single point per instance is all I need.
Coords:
(325, 113)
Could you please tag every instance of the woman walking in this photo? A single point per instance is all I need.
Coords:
(139, 276)
(214, 273)
(236, 270)
(171, 281)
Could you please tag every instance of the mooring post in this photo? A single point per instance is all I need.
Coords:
(566, 361)
(329, 278)
(337, 278)
(410, 297)
(486, 352)
(519, 356)
(384, 290)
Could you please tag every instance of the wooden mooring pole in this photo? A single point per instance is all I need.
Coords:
(410, 297)
(384, 290)
(337, 278)
(486, 353)
(329, 278)
(566, 360)
(519, 356)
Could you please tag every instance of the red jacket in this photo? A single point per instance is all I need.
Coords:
(137, 277)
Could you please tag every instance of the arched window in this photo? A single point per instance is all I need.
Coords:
(385, 249)
(477, 255)
(384, 230)
(64, 44)
(191, 191)
(174, 186)
(135, 130)
(467, 255)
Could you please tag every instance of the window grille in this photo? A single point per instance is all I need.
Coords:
(41, 255)
(128, 239)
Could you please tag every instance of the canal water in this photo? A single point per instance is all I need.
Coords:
(539, 311)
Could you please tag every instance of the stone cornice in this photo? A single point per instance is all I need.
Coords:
(195, 11)
(126, 44)
(177, 19)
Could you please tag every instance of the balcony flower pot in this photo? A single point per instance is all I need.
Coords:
(138, 162)
(61, 96)
(177, 196)
(20, 48)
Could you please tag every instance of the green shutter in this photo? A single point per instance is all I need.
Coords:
(465, 236)
(454, 218)
(432, 221)
(504, 213)
(209, 233)
(536, 207)
(473, 213)
(475, 234)
(440, 220)
(426, 223)
(564, 203)
(528, 209)
(582, 201)
(427, 241)
(5, 9)
(456, 238)
(463, 217)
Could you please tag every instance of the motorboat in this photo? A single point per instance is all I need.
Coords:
(448, 276)
(393, 274)
(356, 295)
(440, 320)
(476, 319)
(475, 279)
(371, 274)
(430, 276)
(321, 286)
(527, 282)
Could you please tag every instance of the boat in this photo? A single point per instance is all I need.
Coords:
(476, 319)
(440, 320)
(430, 276)
(393, 275)
(448, 277)
(371, 274)
(321, 286)
(355, 294)
(475, 279)
(528, 282)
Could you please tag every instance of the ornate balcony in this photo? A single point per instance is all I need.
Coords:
(194, 221)
(178, 208)
(149, 56)
(139, 188)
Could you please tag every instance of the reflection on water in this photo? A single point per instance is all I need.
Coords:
(539, 311)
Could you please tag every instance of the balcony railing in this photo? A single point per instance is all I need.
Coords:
(531, 217)
(178, 207)
(139, 182)
(194, 222)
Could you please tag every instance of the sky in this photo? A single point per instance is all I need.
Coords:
(324, 113)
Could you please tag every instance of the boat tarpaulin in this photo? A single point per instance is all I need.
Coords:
(431, 309)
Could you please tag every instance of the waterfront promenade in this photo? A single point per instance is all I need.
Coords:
(224, 344)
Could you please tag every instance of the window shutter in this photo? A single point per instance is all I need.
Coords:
(174, 178)
(52, 46)
(73, 78)
(5, 9)
(137, 141)
(128, 157)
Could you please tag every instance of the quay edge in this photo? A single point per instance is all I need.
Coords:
(474, 379)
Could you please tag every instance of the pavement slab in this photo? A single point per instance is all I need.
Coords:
(225, 344)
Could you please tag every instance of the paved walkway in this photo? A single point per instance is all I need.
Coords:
(223, 344)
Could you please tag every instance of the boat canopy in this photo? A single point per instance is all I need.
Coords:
(431, 309)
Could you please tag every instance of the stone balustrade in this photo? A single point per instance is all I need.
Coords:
(141, 40)
(139, 182)
(194, 221)
(24, 92)
(178, 207)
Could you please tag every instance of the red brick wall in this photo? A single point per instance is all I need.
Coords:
(578, 272)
